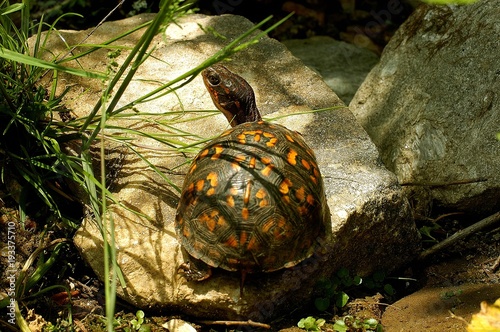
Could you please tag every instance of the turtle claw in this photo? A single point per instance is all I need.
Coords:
(195, 271)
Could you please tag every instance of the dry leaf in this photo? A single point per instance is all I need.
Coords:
(487, 320)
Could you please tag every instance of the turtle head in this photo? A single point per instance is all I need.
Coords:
(231, 94)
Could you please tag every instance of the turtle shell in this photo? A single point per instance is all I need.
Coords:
(253, 200)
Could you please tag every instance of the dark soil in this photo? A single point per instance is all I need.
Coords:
(474, 260)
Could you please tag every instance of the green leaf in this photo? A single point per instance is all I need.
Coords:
(310, 323)
(357, 280)
(341, 299)
(4, 302)
(389, 289)
(371, 323)
(324, 284)
(340, 326)
(322, 303)
(145, 328)
(343, 273)
(329, 292)
(140, 315)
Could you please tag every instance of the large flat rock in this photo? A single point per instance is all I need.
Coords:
(432, 107)
(372, 226)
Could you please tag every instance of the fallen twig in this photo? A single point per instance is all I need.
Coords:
(235, 322)
(435, 220)
(461, 234)
(452, 315)
(495, 265)
(444, 183)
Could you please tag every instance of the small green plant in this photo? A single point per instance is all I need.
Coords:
(137, 323)
(29, 278)
(311, 324)
(350, 323)
(333, 290)
(378, 280)
(451, 294)
(129, 322)
(428, 230)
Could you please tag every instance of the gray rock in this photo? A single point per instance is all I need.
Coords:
(432, 106)
(343, 66)
(372, 225)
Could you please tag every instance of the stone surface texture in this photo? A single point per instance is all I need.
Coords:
(437, 309)
(342, 66)
(372, 225)
(432, 107)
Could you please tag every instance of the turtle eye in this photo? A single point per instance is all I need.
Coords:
(214, 79)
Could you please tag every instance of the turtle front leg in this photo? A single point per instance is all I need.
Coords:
(195, 270)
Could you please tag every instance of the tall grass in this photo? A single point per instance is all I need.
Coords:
(32, 139)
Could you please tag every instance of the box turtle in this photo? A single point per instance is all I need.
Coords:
(253, 199)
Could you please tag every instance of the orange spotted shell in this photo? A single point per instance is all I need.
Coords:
(253, 200)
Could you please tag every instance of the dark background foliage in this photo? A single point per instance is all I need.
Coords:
(340, 19)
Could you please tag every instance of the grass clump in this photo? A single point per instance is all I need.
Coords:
(32, 163)
(35, 130)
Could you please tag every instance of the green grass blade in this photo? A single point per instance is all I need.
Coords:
(11, 9)
(32, 61)
(20, 321)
